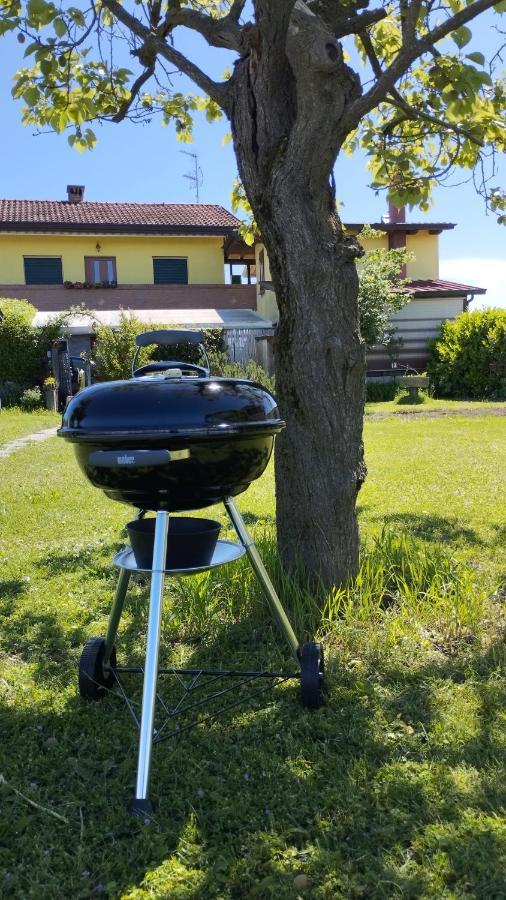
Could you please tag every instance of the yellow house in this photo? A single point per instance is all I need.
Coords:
(433, 302)
(164, 262)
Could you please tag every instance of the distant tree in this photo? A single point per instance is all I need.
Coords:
(381, 291)
(310, 80)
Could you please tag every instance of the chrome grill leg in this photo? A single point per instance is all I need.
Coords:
(141, 802)
(278, 613)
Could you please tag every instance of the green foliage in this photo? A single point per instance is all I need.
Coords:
(241, 204)
(380, 392)
(23, 347)
(10, 393)
(20, 352)
(380, 290)
(31, 399)
(450, 111)
(113, 350)
(252, 371)
(446, 110)
(469, 357)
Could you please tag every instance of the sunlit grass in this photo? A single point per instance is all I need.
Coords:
(14, 423)
(403, 404)
(393, 789)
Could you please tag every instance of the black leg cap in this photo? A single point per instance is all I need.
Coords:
(140, 807)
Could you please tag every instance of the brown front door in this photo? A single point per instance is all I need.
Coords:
(100, 269)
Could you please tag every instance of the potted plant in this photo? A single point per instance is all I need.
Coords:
(50, 388)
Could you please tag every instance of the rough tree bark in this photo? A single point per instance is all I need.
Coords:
(291, 90)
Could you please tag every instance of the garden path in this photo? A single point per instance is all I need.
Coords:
(19, 443)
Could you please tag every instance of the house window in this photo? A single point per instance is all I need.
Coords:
(43, 270)
(100, 269)
(170, 270)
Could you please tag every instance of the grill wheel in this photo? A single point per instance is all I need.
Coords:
(94, 681)
(312, 669)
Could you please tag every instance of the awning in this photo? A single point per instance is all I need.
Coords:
(191, 318)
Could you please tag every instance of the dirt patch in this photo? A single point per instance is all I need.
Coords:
(471, 412)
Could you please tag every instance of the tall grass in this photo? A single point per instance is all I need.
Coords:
(399, 578)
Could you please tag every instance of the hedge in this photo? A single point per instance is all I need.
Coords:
(468, 360)
(23, 348)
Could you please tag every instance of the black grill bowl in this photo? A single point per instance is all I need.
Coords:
(190, 542)
(175, 444)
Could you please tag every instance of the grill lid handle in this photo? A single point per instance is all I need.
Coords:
(129, 459)
(169, 337)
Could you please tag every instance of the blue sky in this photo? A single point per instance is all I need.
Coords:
(145, 163)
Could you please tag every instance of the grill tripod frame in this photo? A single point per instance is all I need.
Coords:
(100, 670)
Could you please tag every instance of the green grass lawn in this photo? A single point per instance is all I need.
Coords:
(395, 788)
(404, 404)
(15, 424)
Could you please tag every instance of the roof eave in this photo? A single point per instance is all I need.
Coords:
(429, 295)
(96, 228)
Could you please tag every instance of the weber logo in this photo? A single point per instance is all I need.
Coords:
(125, 460)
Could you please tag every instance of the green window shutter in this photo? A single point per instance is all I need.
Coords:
(43, 270)
(170, 270)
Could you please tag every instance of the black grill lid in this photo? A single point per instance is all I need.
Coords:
(157, 406)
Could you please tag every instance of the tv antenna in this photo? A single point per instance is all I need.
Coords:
(196, 177)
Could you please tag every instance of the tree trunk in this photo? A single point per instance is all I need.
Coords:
(320, 361)
(291, 91)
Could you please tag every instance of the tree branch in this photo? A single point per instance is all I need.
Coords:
(341, 20)
(409, 52)
(134, 93)
(155, 43)
(396, 99)
(224, 32)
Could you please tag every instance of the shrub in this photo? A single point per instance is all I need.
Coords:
(381, 391)
(381, 290)
(23, 347)
(252, 370)
(469, 357)
(31, 399)
(19, 350)
(10, 393)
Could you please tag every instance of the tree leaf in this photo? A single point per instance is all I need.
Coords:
(462, 36)
(31, 96)
(476, 57)
(60, 27)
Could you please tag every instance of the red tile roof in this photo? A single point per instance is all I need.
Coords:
(143, 218)
(408, 227)
(429, 287)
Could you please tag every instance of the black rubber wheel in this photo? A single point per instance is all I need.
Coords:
(312, 668)
(94, 680)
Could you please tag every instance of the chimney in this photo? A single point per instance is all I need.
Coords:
(396, 215)
(75, 193)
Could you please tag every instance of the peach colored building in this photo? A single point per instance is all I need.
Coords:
(434, 300)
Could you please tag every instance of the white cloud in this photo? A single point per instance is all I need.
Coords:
(489, 273)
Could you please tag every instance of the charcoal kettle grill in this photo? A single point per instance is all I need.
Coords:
(174, 438)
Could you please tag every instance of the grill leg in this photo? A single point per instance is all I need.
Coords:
(141, 802)
(115, 616)
(260, 571)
